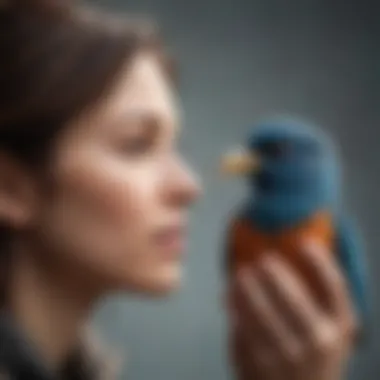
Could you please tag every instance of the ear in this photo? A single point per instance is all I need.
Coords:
(18, 193)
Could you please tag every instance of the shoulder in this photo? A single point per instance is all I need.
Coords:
(5, 374)
(5, 369)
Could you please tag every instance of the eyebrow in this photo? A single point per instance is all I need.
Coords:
(149, 119)
(152, 116)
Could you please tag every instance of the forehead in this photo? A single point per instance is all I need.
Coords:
(142, 88)
(145, 84)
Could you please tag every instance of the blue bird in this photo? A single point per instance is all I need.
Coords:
(295, 191)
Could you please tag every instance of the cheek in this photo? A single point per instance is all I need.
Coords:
(122, 198)
(101, 217)
(114, 192)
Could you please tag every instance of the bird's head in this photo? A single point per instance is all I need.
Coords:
(287, 158)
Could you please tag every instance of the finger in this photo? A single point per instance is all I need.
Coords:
(251, 358)
(239, 353)
(250, 351)
(261, 319)
(319, 335)
(328, 279)
(232, 303)
(290, 296)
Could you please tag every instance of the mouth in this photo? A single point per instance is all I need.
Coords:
(171, 240)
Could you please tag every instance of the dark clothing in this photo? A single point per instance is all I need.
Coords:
(20, 361)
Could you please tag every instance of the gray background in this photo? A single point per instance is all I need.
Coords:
(242, 60)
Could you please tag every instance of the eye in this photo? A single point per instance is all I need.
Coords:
(140, 136)
(137, 145)
(274, 149)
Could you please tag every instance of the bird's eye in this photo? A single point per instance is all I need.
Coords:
(274, 149)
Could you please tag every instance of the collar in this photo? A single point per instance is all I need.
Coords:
(21, 360)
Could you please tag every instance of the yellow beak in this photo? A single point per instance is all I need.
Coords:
(240, 163)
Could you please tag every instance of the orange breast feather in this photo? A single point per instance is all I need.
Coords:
(247, 244)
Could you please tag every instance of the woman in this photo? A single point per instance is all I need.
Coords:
(93, 199)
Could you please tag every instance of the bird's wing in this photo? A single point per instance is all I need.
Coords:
(352, 259)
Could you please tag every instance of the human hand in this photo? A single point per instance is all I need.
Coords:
(280, 330)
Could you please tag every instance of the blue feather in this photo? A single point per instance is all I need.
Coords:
(351, 256)
(300, 174)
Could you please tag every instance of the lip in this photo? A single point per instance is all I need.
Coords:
(171, 240)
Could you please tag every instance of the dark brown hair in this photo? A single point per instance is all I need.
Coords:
(56, 59)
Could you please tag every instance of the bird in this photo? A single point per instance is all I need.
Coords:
(293, 173)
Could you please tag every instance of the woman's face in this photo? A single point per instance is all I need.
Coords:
(117, 213)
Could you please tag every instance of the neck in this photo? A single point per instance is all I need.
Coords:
(48, 308)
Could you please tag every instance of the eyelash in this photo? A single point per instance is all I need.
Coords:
(137, 146)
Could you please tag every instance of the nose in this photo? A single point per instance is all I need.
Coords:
(183, 184)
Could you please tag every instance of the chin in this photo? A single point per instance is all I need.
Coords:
(161, 283)
(166, 282)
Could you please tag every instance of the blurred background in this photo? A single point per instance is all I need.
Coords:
(240, 61)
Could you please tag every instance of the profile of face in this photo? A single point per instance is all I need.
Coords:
(116, 214)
